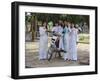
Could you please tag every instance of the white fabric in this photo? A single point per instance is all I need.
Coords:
(66, 42)
(72, 44)
(59, 30)
(61, 38)
(43, 45)
(56, 29)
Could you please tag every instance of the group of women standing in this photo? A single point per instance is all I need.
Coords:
(67, 40)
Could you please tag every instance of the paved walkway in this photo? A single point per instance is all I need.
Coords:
(32, 61)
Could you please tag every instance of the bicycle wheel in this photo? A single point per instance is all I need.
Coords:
(49, 54)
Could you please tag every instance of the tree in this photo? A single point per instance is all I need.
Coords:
(33, 19)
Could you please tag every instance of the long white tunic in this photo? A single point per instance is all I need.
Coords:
(61, 46)
(66, 42)
(72, 44)
(43, 44)
(59, 30)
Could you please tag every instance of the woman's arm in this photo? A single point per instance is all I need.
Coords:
(41, 31)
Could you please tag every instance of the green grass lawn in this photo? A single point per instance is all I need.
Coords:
(84, 38)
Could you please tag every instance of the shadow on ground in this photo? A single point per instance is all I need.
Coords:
(32, 61)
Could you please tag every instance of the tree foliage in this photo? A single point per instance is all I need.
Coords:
(55, 17)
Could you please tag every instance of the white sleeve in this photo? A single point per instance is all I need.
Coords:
(41, 31)
(53, 29)
(69, 29)
(60, 31)
(77, 39)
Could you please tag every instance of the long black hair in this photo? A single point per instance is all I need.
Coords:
(43, 23)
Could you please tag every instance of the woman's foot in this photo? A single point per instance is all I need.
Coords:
(74, 60)
(42, 59)
(69, 60)
(65, 59)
